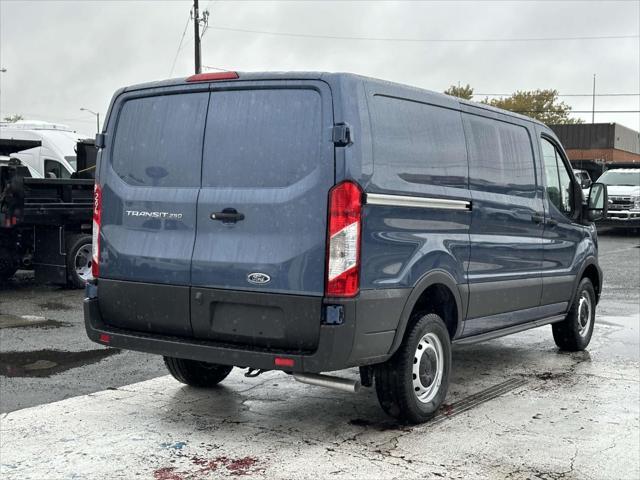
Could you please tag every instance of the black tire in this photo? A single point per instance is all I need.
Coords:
(574, 332)
(77, 248)
(394, 379)
(195, 373)
(8, 264)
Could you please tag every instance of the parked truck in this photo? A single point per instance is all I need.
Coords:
(45, 213)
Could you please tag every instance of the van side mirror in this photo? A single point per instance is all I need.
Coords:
(597, 202)
(100, 140)
(586, 183)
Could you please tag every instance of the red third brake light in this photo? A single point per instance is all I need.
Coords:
(212, 77)
(97, 215)
(343, 252)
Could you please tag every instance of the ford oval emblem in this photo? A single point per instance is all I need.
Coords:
(258, 278)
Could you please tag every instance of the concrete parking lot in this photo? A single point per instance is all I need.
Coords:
(517, 407)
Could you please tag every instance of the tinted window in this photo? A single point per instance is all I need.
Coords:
(418, 143)
(158, 140)
(261, 138)
(557, 177)
(500, 157)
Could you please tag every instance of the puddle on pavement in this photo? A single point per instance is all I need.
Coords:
(29, 321)
(45, 363)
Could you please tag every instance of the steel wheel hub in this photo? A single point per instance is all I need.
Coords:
(584, 314)
(428, 368)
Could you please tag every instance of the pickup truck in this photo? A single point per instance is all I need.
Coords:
(623, 185)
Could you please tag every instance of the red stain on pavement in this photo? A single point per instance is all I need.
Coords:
(167, 473)
(222, 465)
(234, 466)
(242, 466)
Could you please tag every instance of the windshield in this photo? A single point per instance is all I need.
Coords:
(621, 178)
(72, 159)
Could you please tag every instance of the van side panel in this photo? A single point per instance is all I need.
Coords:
(507, 223)
(418, 152)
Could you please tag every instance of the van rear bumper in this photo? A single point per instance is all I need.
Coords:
(364, 338)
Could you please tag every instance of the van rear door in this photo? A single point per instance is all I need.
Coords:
(150, 176)
(268, 165)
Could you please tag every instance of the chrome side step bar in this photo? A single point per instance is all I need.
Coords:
(337, 383)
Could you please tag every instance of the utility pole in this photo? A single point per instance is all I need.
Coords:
(593, 102)
(197, 20)
(2, 70)
(196, 36)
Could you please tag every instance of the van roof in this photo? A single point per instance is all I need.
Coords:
(336, 77)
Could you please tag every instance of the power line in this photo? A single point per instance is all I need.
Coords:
(173, 65)
(216, 68)
(186, 44)
(423, 40)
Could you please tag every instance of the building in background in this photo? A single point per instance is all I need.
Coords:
(596, 147)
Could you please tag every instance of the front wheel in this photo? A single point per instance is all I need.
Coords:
(195, 373)
(413, 383)
(574, 332)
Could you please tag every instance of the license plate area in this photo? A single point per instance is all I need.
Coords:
(289, 322)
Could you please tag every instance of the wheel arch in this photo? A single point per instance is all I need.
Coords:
(593, 272)
(444, 282)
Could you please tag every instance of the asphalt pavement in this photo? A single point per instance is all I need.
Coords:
(517, 407)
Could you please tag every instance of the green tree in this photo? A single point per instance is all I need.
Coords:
(542, 105)
(13, 118)
(465, 92)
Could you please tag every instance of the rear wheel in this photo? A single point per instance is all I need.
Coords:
(412, 385)
(195, 373)
(79, 260)
(574, 332)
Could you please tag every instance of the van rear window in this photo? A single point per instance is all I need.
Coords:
(158, 140)
(418, 143)
(261, 138)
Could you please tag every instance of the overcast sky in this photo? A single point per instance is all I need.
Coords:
(61, 56)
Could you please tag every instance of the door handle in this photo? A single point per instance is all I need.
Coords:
(552, 223)
(537, 217)
(228, 215)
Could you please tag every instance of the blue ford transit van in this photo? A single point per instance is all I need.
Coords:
(313, 222)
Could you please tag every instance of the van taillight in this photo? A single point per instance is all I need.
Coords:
(345, 224)
(97, 214)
